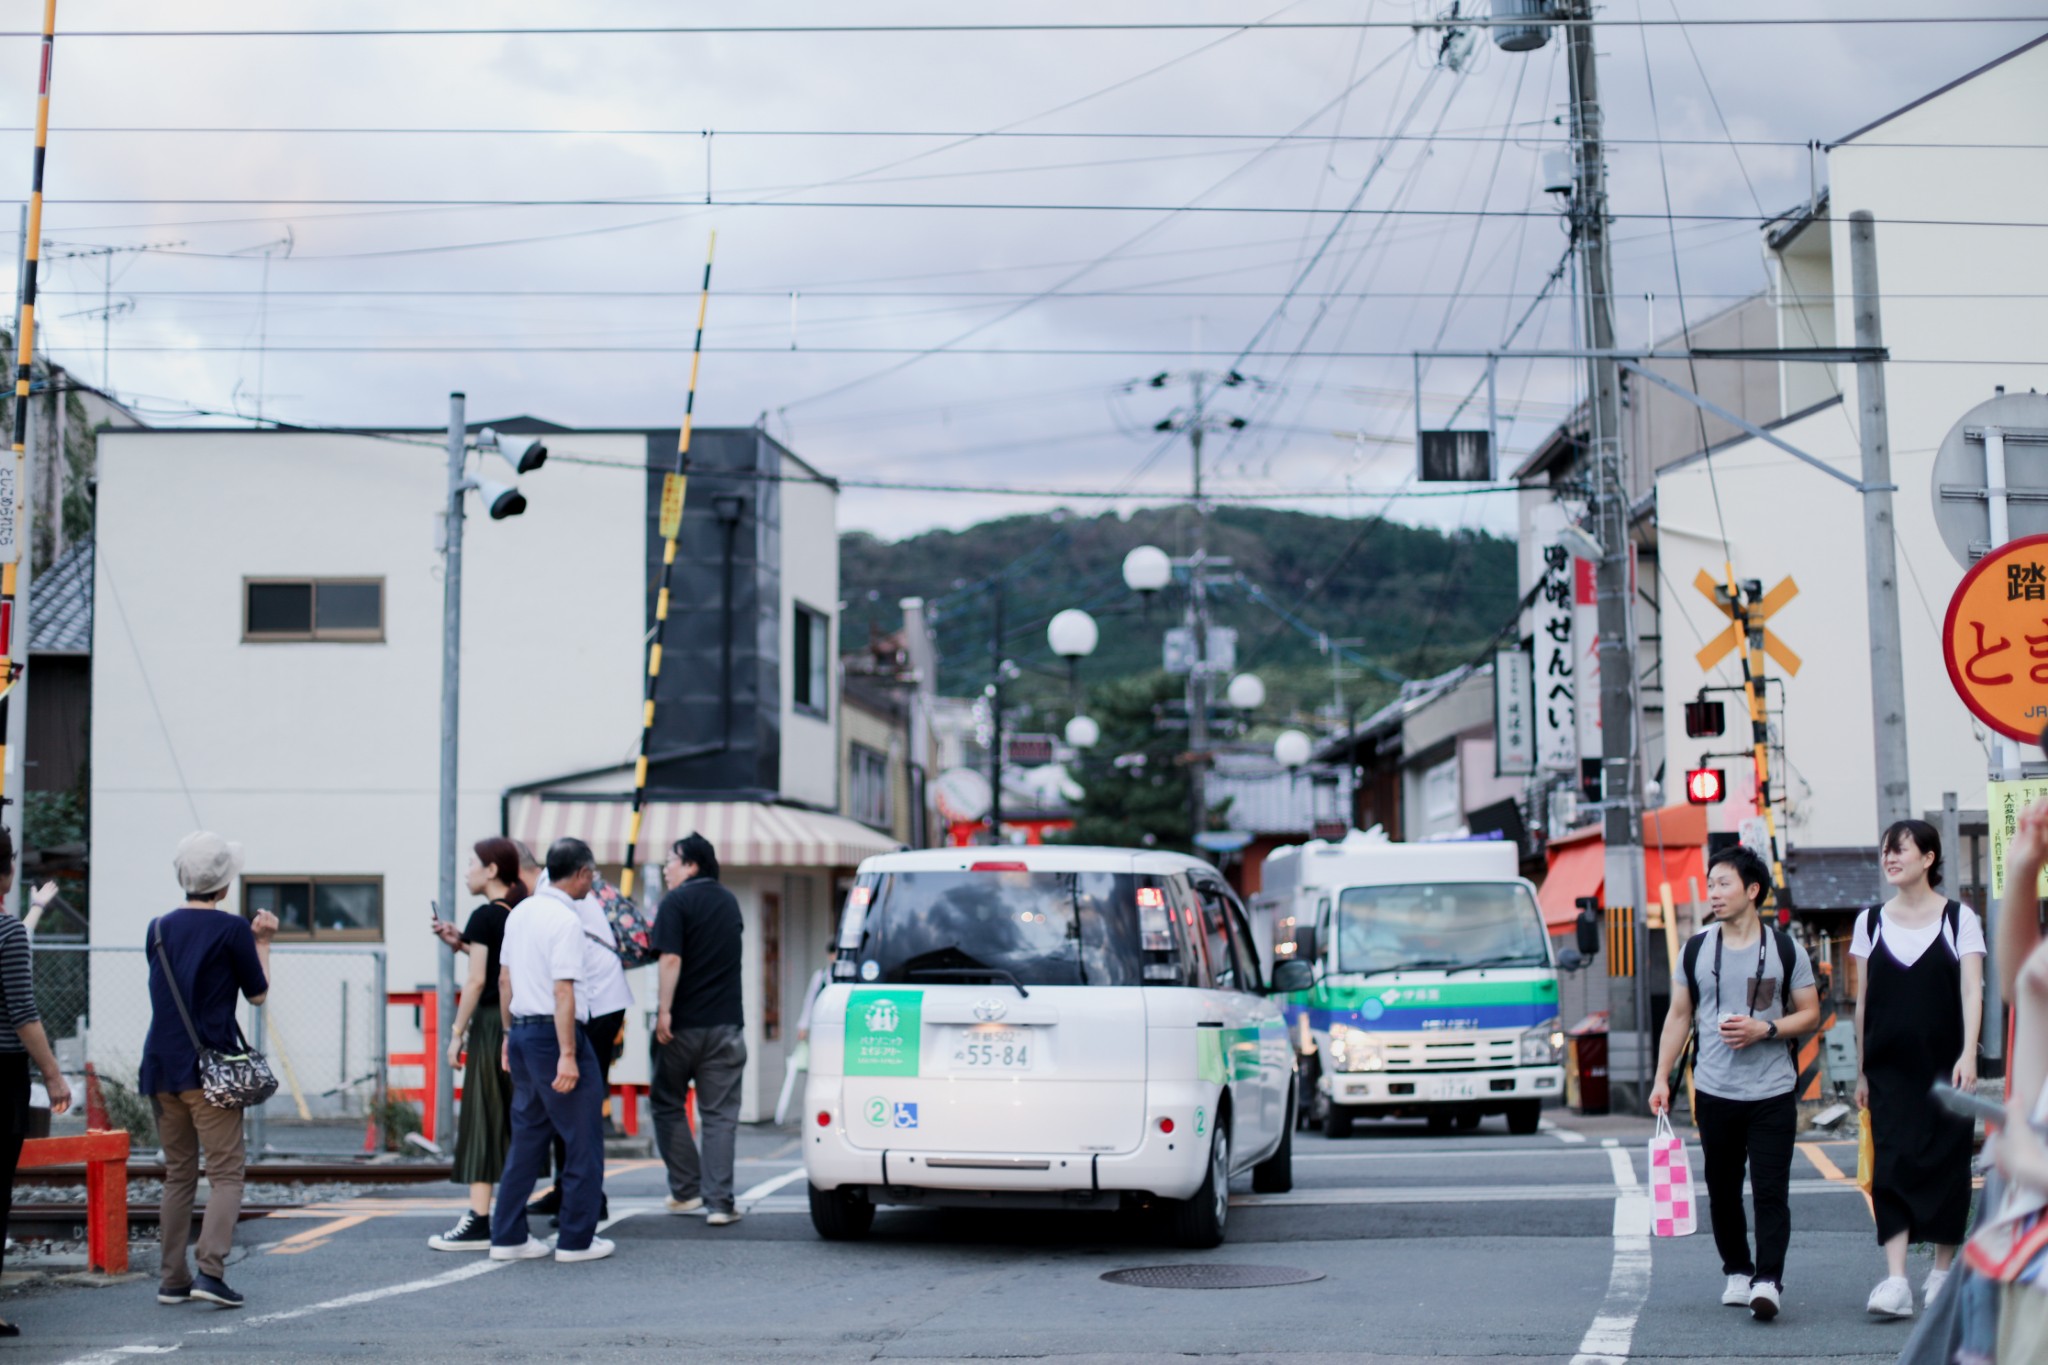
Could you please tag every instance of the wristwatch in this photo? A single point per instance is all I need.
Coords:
(1770, 1028)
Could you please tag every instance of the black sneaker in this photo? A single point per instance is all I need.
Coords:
(473, 1233)
(547, 1205)
(215, 1290)
(604, 1211)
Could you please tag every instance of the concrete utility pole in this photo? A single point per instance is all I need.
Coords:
(1198, 626)
(1880, 551)
(995, 715)
(451, 707)
(1618, 739)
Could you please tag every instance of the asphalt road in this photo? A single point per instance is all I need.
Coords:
(1466, 1247)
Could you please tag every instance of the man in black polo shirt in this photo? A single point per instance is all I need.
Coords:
(698, 1034)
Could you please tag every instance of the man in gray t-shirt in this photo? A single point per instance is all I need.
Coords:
(1733, 1000)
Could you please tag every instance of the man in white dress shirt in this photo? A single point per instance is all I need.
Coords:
(557, 1088)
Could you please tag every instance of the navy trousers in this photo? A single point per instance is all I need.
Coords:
(539, 1116)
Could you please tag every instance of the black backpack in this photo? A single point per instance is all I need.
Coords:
(1951, 915)
(1787, 959)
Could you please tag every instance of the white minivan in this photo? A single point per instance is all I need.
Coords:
(1046, 1027)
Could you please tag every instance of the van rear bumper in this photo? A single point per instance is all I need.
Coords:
(1168, 1165)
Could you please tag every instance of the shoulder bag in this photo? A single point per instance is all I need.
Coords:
(230, 1080)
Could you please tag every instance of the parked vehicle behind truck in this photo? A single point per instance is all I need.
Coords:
(1435, 990)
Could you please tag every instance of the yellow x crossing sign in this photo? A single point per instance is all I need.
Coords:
(1730, 639)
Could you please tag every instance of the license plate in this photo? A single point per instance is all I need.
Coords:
(993, 1049)
(1454, 1089)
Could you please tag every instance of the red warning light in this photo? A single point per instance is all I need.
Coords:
(1706, 786)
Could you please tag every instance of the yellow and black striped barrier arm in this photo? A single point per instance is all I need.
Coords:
(24, 345)
(673, 486)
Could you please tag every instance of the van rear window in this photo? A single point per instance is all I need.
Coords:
(1041, 928)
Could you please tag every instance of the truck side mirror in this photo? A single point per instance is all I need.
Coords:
(1291, 974)
(1304, 943)
(1587, 930)
(1570, 959)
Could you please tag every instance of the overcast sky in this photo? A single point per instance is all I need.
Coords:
(836, 265)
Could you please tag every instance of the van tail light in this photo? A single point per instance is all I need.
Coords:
(824, 1118)
(997, 867)
(1151, 897)
(1166, 1125)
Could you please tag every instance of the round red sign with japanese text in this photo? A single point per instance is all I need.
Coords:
(1995, 639)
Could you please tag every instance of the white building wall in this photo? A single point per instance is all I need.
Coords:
(810, 575)
(324, 757)
(1949, 294)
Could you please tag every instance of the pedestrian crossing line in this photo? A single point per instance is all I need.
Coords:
(1564, 1135)
(300, 1242)
(1612, 1333)
(751, 1197)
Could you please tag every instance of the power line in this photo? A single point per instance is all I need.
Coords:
(1134, 135)
(1195, 26)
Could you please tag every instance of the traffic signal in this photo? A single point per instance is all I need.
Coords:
(1706, 786)
(1705, 719)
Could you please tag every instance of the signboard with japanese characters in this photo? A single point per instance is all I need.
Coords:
(2003, 804)
(1557, 715)
(1514, 721)
(1995, 639)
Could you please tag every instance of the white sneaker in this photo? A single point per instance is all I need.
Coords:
(1931, 1286)
(598, 1249)
(676, 1205)
(533, 1250)
(722, 1218)
(1736, 1295)
(1763, 1300)
(1893, 1298)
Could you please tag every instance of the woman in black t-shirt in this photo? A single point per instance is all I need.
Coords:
(483, 1124)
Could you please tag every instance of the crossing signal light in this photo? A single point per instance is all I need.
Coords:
(1705, 719)
(1706, 786)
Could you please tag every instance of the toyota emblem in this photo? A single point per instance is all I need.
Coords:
(988, 1011)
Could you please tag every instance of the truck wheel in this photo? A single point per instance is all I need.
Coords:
(840, 1215)
(1275, 1175)
(1440, 1120)
(1469, 1120)
(1198, 1221)
(1336, 1121)
(1524, 1116)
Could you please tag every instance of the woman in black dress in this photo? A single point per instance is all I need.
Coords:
(1917, 1020)
(22, 1041)
(483, 1125)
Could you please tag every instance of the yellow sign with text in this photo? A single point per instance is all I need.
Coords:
(2004, 802)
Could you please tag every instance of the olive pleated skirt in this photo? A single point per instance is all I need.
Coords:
(483, 1125)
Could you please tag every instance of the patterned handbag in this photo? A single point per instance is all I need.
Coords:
(1674, 1208)
(632, 935)
(230, 1080)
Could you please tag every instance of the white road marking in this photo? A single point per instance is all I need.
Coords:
(1473, 1194)
(770, 1186)
(1608, 1340)
(120, 1353)
(1466, 1154)
(1561, 1134)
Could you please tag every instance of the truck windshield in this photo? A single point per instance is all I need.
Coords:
(1038, 928)
(1439, 925)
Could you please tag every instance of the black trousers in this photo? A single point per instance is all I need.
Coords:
(13, 1128)
(603, 1031)
(1756, 1134)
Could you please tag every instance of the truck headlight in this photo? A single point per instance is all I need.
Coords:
(1351, 1050)
(1542, 1045)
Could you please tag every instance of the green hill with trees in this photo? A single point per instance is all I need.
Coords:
(1420, 601)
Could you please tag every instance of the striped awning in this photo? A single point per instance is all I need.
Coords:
(745, 833)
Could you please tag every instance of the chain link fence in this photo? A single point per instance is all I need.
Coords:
(323, 1026)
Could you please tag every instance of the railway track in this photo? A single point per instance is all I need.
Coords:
(37, 1221)
(321, 1172)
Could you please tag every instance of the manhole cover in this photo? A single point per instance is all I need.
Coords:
(1207, 1276)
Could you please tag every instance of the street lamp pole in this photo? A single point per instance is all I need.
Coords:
(451, 700)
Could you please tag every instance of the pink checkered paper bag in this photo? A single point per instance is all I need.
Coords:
(1674, 1211)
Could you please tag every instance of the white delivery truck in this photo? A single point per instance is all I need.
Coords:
(1435, 990)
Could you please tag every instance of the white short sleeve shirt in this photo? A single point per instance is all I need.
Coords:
(1907, 944)
(544, 944)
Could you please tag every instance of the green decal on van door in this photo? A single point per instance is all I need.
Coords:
(1209, 1056)
(883, 1029)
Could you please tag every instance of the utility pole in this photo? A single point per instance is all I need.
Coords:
(1619, 795)
(451, 706)
(995, 715)
(1198, 625)
(1880, 551)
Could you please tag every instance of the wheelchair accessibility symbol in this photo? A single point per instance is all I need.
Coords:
(905, 1114)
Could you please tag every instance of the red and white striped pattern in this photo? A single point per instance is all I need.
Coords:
(745, 833)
